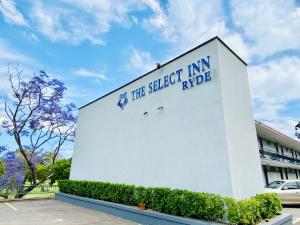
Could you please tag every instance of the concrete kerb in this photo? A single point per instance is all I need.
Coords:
(150, 217)
(26, 199)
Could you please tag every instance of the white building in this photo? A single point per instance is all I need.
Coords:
(280, 154)
(187, 124)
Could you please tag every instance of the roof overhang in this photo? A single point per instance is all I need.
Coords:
(273, 135)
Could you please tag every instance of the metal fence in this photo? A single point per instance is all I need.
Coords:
(13, 191)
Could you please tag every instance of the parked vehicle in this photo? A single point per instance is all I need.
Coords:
(288, 190)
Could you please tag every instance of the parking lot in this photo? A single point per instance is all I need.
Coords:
(46, 212)
(295, 211)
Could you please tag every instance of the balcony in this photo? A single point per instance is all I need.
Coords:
(277, 157)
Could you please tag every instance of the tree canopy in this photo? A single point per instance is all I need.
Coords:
(61, 170)
(38, 120)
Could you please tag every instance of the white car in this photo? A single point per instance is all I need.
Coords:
(288, 190)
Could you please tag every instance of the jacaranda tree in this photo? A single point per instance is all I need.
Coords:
(38, 120)
(13, 173)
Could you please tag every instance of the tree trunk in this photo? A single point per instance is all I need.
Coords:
(24, 192)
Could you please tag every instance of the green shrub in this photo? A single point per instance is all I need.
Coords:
(269, 205)
(245, 211)
(180, 202)
(173, 202)
(189, 204)
(159, 199)
(61, 170)
(142, 196)
(210, 206)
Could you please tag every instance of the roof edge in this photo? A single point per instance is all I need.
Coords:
(276, 131)
(166, 63)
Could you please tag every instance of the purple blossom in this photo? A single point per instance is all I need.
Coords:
(14, 170)
(39, 122)
(3, 149)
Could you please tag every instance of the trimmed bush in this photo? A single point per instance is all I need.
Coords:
(180, 202)
(269, 205)
(245, 211)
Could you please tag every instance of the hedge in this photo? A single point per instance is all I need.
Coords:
(180, 202)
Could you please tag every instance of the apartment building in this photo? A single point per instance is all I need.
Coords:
(279, 154)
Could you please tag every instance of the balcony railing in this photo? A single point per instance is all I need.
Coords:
(278, 157)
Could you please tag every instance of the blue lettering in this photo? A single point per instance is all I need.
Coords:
(205, 63)
(194, 78)
(207, 76)
(172, 81)
(196, 67)
(178, 72)
(150, 87)
(143, 91)
(184, 85)
(166, 81)
(155, 86)
(189, 69)
(138, 93)
(199, 79)
(191, 81)
(159, 84)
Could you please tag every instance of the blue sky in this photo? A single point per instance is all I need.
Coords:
(95, 46)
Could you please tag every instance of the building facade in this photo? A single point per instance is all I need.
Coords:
(279, 154)
(177, 126)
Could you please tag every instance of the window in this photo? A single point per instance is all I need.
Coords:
(275, 184)
(291, 185)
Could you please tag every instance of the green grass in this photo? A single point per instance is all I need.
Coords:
(45, 195)
(38, 193)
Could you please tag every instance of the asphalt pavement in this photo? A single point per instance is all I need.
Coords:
(48, 212)
(295, 211)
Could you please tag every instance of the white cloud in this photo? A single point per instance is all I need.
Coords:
(30, 36)
(275, 86)
(135, 20)
(12, 59)
(2, 113)
(78, 20)
(159, 19)
(186, 25)
(10, 55)
(11, 14)
(253, 29)
(284, 125)
(237, 44)
(277, 81)
(257, 29)
(269, 26)
(139, 62)
(90, 73)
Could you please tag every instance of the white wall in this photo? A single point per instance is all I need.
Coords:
(186, 145)
(245, 166)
